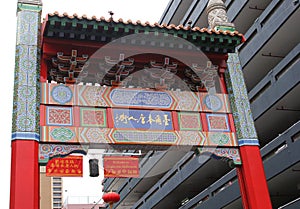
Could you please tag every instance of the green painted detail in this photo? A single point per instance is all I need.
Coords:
(166, 35)
(116, 29)
(238, 97)
(194, 37)
(30, 7)
(105, 27)
(237, 40)
(136, 31)
(219, 138)
(146, 32)
(52, 22)
(95, 27)
(225, 28)
(62, 134)
(126, 30)
(84, 26)
(212, 39)
(74, 23)
(237, 162)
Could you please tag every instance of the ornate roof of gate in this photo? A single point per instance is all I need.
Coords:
(83, 28)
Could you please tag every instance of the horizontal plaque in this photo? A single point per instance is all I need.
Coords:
(142, 119)
(121, 167)
(67, 166)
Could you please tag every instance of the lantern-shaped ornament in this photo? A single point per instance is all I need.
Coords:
(111, 198)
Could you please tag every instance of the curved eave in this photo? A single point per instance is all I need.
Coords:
(104, 30)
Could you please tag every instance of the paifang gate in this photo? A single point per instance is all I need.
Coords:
(96, 83)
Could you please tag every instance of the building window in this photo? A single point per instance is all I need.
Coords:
(57, 189)
(57, 205)
(57, 199)
(57, 194)
(57, 184)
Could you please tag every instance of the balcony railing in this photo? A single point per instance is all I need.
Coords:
(288, 142)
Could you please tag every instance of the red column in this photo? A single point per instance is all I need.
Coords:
(43, 72)
(24, 192)
(222, 79)
(252, 179)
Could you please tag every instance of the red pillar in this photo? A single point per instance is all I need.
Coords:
(24, 192)
(251, 174)
(252, 179)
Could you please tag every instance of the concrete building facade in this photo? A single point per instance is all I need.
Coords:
(270, 62)
(51, 191)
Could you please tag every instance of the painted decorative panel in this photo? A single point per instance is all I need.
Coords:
(94, 135)
(59, 134)
(78, 114)
(192, 138)
(140, 98)
(28, 25)
(186, 100)
(220, 139)
(217, 122)
(189, 121)
(214, 102)
(27, 69)
(99, 96)
(26, 98)
(33, 114)
(144, 137)
(62, 94)
(25, 111)
(59, 116)
(93, 117)
(48, 151)
(92, 96)
(111, 136)
(244, 123)
(229, 153)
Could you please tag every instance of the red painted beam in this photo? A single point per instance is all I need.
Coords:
(24, 193)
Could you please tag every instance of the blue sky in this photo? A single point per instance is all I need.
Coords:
(144, 10)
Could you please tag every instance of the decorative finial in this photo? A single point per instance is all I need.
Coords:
(189, 23)
(111, 15)
(217, 16)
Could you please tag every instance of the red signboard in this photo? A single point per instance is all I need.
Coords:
(67, 166)
(121, 167)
